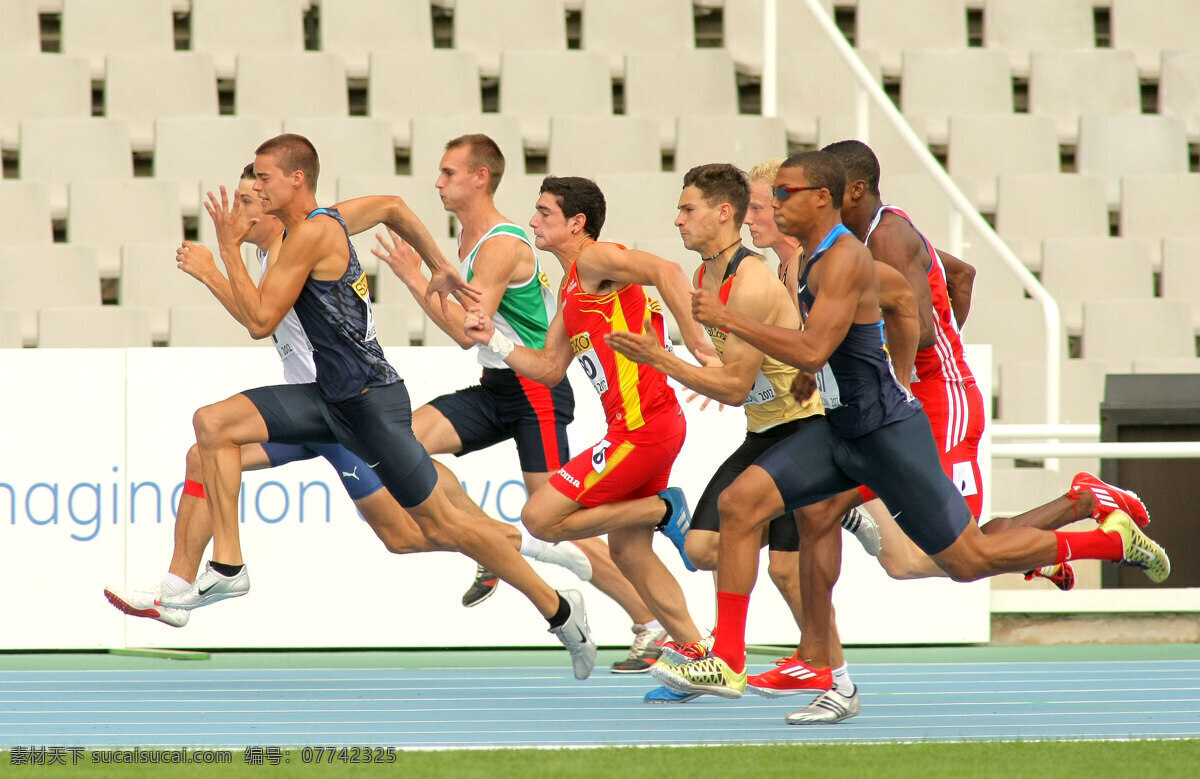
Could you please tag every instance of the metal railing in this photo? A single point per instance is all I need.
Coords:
(869, 91)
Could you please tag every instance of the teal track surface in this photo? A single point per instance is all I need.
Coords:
(239, 700)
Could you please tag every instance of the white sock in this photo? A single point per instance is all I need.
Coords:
(530, 546)
(841, 680)
(172, 584)
(653, 624)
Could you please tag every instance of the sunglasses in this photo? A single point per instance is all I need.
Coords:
(783, 193)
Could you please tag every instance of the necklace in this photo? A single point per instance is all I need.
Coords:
(718, 254)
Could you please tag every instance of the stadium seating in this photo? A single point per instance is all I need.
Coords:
(890, 27)
(1179, 89)
(894, 154)
(1023, 392)
(58, 151)
(430, 134)
(1063, 85)
(523, 92)
(641, 206)
(355, 29)
(1148, 30)
(10, 329)
(315, 85)
(802, 98)
(352, 146)
(1016, 329)
(797, 32)
(97, 29)
(41, 86)
(1076, 270)
(1181, 273)
(1116, 330)
(24, 214)
(20, 28)
(394, 322)
(1019, 27)
(404, 85)
(490, 27)
(1163, 206)
(1115, 146)
(37, 277)
(591, 145)
(188, 151)
(143, 88)
(93, 326)
(742, 140)
(227, 29)
(662, 25)
(106, 214)
(982, 84)
(208, 325)
(652, 87)
(1030, 208)
(982, 148)
(152, 282)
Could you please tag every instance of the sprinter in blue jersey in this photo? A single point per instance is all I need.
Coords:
(358, 399)
(873, 433)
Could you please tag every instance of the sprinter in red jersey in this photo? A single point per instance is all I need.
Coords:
(619, 486)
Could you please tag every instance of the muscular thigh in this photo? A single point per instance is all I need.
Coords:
(803, 466)
(293, 413)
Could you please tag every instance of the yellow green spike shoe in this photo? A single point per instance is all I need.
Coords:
(1140, 551)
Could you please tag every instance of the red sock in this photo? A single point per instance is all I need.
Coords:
(729, 636)
(193, 488)
(1089, 545)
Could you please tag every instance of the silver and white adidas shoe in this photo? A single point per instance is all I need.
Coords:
(862, 526)
(829, 707)
(143, 603)
(576, 636)
(568, 556)
(209, 587)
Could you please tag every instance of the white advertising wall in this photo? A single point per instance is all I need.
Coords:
(92, 449)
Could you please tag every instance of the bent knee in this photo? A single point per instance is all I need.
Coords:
(702, 548)
(784, 570)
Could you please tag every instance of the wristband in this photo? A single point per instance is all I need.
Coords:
(501, 344)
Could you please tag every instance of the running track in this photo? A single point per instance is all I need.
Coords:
(186, 704)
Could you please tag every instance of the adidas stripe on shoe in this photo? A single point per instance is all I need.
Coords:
(1109, 498)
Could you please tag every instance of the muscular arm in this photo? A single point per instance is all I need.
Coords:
(900, 322)
(960, 280)
(363, 213)
(731, 379)
(842, 278)
(602, 262)
(896, 243)
(197, 261)
(315, 246)
(546, 366)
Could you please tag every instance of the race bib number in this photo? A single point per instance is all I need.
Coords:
(284, 348)
(963, 475)
(762, 392)
(585, 353)
(364, 293)
(827, 386)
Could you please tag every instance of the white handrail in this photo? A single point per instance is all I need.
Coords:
(961, 208)
(1115, 450)
(1001, 430)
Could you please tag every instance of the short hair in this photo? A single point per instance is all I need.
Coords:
(860, 162)
(720, 182)
(822, 170)
(485, 153)
(765, 172)
(577, 195)
(294, 152)
(248, 172)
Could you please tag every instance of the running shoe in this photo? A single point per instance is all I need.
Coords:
(1140, 551)
(564, 554)
(790, 676)
(862, 526)
(647, 647)
(482, 588)
(830, 707)
(664, 694)
(208, 588)
(1062, 575)
(142, 603)
(576, 636)
(676, 526)
(709, 674)
(674, 652)
(1109, 498)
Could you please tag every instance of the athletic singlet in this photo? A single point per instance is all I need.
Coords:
(770, 402)
(292, 344)
(631, 394)
(943, 360)
(858, 389)
(337, 317)
(526, 309)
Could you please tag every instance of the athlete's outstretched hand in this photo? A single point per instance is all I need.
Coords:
(228, 220)
(478, 325)
(195, 260)
(640, 347)
(446, 282)
(400, 257)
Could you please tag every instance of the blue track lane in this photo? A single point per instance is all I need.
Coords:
(542, 707)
